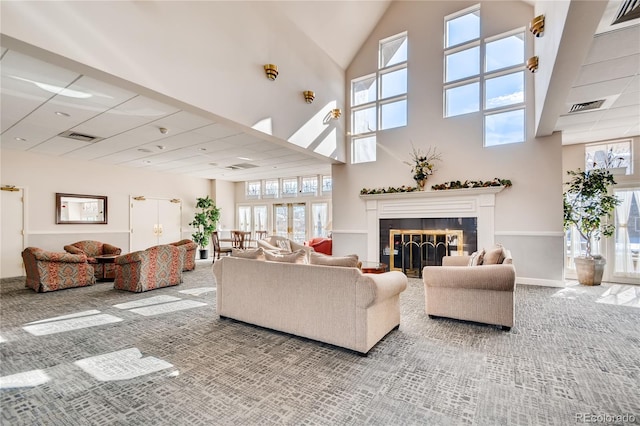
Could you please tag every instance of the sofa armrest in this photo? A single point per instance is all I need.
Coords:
(73, 249)
(383, 286)
(485, 277)
(136, 256)
(110, 249)
(456, 260)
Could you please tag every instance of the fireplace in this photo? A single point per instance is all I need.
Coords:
(408, 245)
(433, 214)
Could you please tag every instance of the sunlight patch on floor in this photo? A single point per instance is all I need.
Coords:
(27, 379)
(55, 325)
(121, 365)
(623, 295)
(198, 291)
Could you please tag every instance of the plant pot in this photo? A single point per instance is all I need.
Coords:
(204, 253)
(590, 269)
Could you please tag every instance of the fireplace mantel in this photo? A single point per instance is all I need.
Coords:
(467, 202)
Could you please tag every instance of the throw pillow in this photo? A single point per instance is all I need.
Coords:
(284, 245)
(477, 258)
(257, 254)
(298, 256)
(350, 261)
(494, 256)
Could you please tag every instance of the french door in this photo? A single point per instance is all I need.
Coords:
(154, 221)
(290, 221)
(12, 225)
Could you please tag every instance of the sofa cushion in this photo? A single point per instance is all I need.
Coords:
(257, 254)
(494, 256)
(349, 261)
(298, 256)
(284, 245)
(477, 258)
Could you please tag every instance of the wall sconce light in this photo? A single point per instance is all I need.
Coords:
(271, 70)
(536, 26)
(163, 130)
(336, 113)
(309, 96)
(532, 64)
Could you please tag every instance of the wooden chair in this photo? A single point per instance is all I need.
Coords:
(261, 235)
(216, 247)
(241, 239)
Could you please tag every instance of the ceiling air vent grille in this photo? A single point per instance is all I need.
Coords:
(587, 106)
(241, 166)
(70, 134)
(630, 9)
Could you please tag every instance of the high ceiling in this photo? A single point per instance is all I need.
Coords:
(34, 116)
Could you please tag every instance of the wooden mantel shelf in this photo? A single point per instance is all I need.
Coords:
(435, 193)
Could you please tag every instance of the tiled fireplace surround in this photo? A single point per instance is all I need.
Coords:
(472, 202)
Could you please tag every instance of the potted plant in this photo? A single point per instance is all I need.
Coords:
(586, 202)
(204, 223)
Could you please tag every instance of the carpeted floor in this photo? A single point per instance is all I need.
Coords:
(165, 358)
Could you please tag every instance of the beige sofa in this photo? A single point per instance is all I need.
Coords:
(336, 305)
(474, 293)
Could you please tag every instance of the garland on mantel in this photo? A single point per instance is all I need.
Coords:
(442, 186)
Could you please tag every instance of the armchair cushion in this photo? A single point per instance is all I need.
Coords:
(349, 261)
(49, 271)
(155, 267)
(91, 249)
(189, 253)
(298, 256)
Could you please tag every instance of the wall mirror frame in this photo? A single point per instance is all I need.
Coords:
(81, 209)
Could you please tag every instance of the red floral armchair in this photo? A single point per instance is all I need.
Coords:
(189, 253)
(155, 267)
(50, 271)
(91, 249)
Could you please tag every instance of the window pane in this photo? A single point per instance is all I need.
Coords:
(271, 188)
(244, 218)
(609, 156)
(393, 51)
(463, 28)
(253, 189)
(363, 91)
(462, 99)
(290, 187)
(506, 52)
(465, 63)
(363, 150)
(260, 218)
(627, 235)
(503, 128)
(505, 90)
(393, 114)
(309, 185)
(327, 183)
(393, 83)
(364, 120)
(320, 218)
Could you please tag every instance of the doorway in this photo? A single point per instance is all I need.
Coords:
(12, 226)
(290, 221)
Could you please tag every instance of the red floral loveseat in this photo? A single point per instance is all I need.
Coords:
(91, 249)
(50, 271)
(155, 267)
(321, 245)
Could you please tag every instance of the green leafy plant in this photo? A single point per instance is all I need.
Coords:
(587, 202)
(204, 221)
(456, 184)
(423, 164)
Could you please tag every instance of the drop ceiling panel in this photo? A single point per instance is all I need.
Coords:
(216, 131)
(182, 121)
(627, 99)
(623, 123)
(614, 44)
(58, 146)
(626, 66)
(628, 111)
(597, 91)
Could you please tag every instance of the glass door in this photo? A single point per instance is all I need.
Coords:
(290, 221)
(625, 263)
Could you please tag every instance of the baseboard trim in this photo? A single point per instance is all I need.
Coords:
(539, 281)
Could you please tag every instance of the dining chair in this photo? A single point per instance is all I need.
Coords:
(216, 246)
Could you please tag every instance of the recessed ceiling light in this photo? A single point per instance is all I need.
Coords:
(62, 114)
(160, 146)
(245, 158)
(21, 139)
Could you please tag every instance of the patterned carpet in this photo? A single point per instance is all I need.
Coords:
(165, 358)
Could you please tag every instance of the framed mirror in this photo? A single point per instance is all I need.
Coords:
(81, 209)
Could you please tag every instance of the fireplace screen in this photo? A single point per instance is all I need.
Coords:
(408, 248)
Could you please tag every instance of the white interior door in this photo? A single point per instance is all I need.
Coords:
(12, 225)
(144, 224)
(169, 214)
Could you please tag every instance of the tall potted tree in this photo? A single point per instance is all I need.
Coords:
(204, 224)
(586, 202)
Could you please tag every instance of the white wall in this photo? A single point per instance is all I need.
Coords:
(206, 54)
(528, 215)
(42, 176)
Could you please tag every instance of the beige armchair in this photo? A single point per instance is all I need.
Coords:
(482, 293)
(276, 243)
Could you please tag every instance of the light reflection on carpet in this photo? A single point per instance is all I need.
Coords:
(52, 326)
(146, 302)
(69, 316)
(122, 365)
(198, 291)
(26, 379)
(623, 295)
(167, 307)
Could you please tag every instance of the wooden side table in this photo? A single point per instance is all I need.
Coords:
(104, 260)
(373, 267)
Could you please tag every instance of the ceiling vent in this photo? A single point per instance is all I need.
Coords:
(629, 10)
(241, 166)
(70, 134)
(587, 106)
